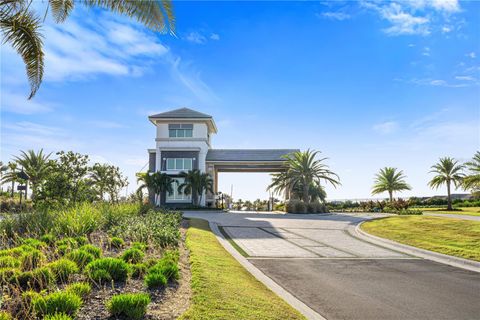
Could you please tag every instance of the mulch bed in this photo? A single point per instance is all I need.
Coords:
(167, 303)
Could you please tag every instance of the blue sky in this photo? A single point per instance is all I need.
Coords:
(370, 84)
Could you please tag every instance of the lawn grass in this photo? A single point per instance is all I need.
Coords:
(222, 288)
(469, 211)
(460, 238)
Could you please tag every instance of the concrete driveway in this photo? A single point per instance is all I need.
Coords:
(342, 277)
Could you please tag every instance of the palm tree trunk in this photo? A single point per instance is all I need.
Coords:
(391, 195)
(449, 197)
(13, 188)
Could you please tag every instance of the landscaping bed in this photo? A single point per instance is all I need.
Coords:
(460, 238)
(94, 262)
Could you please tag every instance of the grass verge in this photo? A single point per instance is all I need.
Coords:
(468, 211)
(222, 288)
(455, 237)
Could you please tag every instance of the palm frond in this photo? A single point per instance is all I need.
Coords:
(61, 9)
(22, 32)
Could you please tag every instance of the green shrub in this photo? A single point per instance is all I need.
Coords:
(48, 238)
(63, 249)
(132, 255)
(70, 242)
(129, 305)
(6, 274)
(94, 251)
(155, 280)
(81, 240)
(81, 289)
(58, 302)
(57, 316)
(5, 316)
(62, 269)
(167, 266)
(34, 243)
(116, 268)
(38, 279)
(31, 259)
(80, 257)
(9, 262)
(140, 246)
(158, 227)
(138, 270)
(116, 242)
(295, 206)
(30, 295)
(100, 276)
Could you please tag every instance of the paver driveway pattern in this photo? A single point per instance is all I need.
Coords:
(342, 277)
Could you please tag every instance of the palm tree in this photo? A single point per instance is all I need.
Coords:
(472, 180)
(3, 168)
(157, 182)
(390, 180)
(11, 176)
(20, 25)
(36, 166)
(239, 204)
(303, 168)
(195, 184)
(99, 175)
(447, 171)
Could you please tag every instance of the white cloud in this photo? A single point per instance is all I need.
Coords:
(471, 55)
(426, 51)
(465, 78)
(215, 36)
(196, 37)
(334, 15)
(446, 29)
(403, 22)
(447, 6)
(18, 103)
(33, 128)
(386, 127)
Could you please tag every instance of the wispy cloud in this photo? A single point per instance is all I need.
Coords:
(386, 127)
(334, 15)
(215, 36)
(196, 37)
(106, 124)
(18, 103)
(471, 55)
(419, 17)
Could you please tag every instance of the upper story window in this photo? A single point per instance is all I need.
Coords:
(179, 164)
(180, 130)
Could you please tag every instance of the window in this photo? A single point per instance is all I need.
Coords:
(179, 163)
(177, 196)
(180, 130)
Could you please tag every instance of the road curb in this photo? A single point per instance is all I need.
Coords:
(414, 251)
(305, 310)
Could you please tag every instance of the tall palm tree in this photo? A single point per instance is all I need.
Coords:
(472, 180)
(447, 171)
(303, 168)
(99, 175)
(36, 166)
(157, 182)
(205, 185)
(389, 180)
(21, 26)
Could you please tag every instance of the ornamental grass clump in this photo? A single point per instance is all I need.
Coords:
(5, 316)
(48, 238)
(133, 255)
(34, 243)
(80, 257)
(138, 270)
(9, 262)
(31, 259)
(116, 269)
(58, 316)
(81, 289)
(62, 269)
(58, 302)
(38, 279)
(94, 251)
(164, 270)
(116, 242)
(129, 305)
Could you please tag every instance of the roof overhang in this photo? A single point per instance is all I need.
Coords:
(212, 127)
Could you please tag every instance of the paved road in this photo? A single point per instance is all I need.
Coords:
(342, 277)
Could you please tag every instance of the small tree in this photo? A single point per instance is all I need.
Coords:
(390, 180)
(447, 171)
(472, 180)
(35, 165)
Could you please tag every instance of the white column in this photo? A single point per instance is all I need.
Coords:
(158, 160)
(202, 166)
